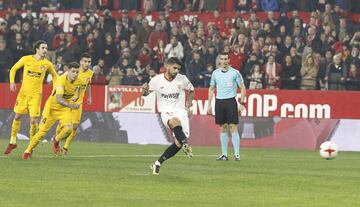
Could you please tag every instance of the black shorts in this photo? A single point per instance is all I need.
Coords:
(226, 111)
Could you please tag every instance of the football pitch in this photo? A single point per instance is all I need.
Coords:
(109, 174)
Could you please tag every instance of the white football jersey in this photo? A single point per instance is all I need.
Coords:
(170, 95)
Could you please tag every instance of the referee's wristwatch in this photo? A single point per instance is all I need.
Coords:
(243, 103)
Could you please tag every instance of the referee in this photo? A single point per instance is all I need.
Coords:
(226, 80)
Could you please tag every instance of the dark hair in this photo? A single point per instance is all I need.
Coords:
(38, 43)
(173, 61)
(225, 53)
(73, 65)
(85, 55)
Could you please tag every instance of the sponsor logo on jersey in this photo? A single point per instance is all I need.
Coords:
(33, 74)
(170, 95)
(42, 67)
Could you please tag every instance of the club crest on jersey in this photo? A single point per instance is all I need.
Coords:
(42, 67)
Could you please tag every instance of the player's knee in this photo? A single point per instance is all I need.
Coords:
(34, 121)
(75, 127)
(224, 128)
(233, 128)
(174, 122)
(67, 130)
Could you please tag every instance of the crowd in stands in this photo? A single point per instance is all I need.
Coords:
(280, 52)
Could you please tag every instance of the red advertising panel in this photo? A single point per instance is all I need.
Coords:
(260, 103)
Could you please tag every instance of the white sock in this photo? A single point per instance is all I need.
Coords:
(157, 163)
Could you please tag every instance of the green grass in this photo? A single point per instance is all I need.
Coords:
(107, 174)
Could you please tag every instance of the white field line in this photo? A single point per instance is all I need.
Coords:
(105, 156)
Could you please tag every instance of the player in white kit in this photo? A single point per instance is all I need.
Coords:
(170, 89)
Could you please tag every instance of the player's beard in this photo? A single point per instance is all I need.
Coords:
(172, 76)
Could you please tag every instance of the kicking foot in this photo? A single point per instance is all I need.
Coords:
(155, 169)
(187, 150)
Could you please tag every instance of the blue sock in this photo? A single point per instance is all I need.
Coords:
(224, 142)
(236, 142)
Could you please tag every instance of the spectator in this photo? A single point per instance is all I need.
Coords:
(174, 49)
(5, 61)
(256, 77)
(19, 48)
(157, 34)
(28, 34)
(130, 78)
(144, 32)
(237, 59)
(308, 73)
(290, 74)
(101, 65)
(115, 76)
(144, 57)
(60, 65)
(159, 55)
(58, 41)
(295, 56)
(71, 50)
(210, 55)
(98, 77)
(121, 32)
(286, 46)
(353, 79)
(272, 71)
(48, 37)
(321, 45)
(195, 70)
(14, 17)
(92, 47)
(336, 74)
(355, 56)
(324, 64)
(109, 51)
(138, 70)
(207, 74)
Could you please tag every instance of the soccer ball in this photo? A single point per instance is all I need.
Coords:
(328, 150)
